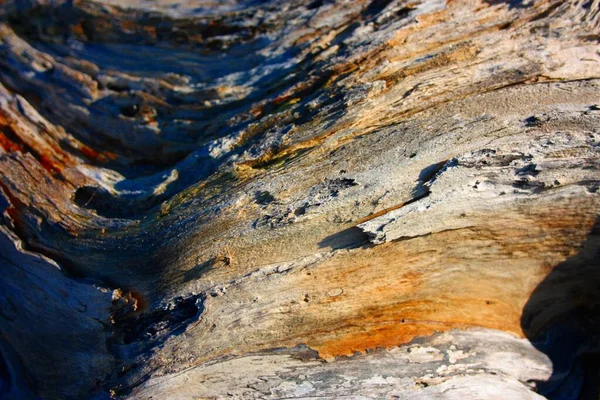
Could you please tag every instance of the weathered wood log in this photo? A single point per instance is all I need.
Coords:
(309, 199)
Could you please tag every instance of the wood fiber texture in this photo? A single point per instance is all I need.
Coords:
(301, 199)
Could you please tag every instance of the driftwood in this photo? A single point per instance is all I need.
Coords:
(301, 199)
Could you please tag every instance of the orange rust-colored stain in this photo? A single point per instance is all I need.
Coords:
(129, 25)
(8, 145)
(379, 337)
(9, 140)
(281, 99)
(396, 292)
(396, 327)
(13, 213)
(139, 302)
(94, 155)
(394, 324)
(49, 164)
(257, 110)
(71, 231)
(78, 30)
(380, 213)
(89, 152)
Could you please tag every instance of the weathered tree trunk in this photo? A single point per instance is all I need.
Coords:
(301, 199)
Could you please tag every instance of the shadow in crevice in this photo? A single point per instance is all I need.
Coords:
(136, 334)
(350, 238)
(562, 319)
(510, 3)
